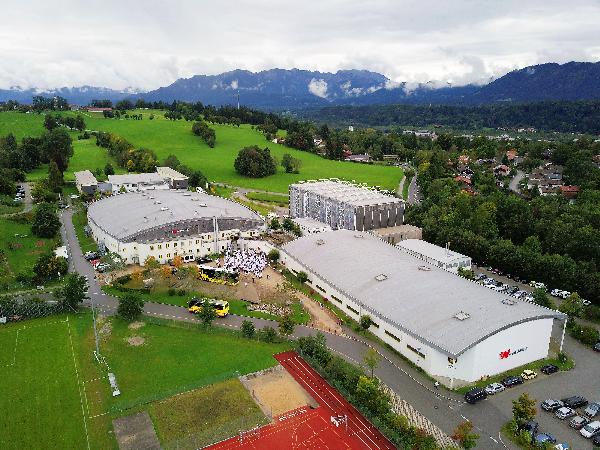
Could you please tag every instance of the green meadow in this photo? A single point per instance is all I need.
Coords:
(167, 137)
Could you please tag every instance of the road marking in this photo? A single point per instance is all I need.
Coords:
(493, 439)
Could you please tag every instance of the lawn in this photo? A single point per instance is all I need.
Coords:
(20, 249)
(86, 242)
(58, 395)
(279, 200)
(167, 137)
(204, 416)
(41, 403)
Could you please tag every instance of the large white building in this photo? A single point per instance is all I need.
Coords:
(133, 182)
(169, 223)
(343, 205)
(453, 328)
(435, 255)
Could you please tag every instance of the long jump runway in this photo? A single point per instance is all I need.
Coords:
(307, 428)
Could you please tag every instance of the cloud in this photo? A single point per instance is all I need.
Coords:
(462, 41)
(318, 87)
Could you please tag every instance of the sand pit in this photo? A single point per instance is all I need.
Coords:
(276, 392)
(136, 341)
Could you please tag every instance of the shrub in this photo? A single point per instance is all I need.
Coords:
(248, 329)
(130, 307)
(268, 334)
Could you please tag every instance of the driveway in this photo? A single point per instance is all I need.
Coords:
(514, 183)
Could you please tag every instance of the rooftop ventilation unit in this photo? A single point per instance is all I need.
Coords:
(509, 302)
(203, 205)
(194, 199)
(320, 242)
(425, 268)
(187, 194)
(381, 277)
(164, 208)
(462, 315)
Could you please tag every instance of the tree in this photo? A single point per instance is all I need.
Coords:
(273, 255)
(275, 225)
(286, 325)
(109, 169)
(268, 334)
(74, 291)
(255, 162)
(302, 277)
(523, 409)
(50, 122)
(371, 359)
(463, 434)
(248, 329)
(177, 261)
(151, 263)
(57, 146)
(207, 313)
(55, 177)
(370, 395)
(288, 224)
(130, 307)
(290, 164)
(365, 321)
(541, 298)
(49, 267)
(45, 221)
(573, 306)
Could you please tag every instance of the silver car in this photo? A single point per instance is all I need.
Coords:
(494, 388)
(564, 413)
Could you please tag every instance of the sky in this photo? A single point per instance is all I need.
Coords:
(145, 45)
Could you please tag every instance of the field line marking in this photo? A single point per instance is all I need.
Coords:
(87, 437)
(15, 350)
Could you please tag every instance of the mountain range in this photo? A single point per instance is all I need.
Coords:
(281, 89)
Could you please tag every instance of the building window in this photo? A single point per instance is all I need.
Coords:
(320, 288)
(393, 336)
(336, 299)
(174, 244)
(168, 255)
(373, 324)
(159, 246)
(352, 309)
(167, 245)
(417, 351)
(152, 247)
(197, 241)
(159, 256)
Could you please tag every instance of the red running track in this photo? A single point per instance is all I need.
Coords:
(307, 428)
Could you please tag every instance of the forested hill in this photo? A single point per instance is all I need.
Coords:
(562, 116)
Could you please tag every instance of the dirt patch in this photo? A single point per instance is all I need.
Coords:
(136, 432)
(104, 326)
(136, 325)
(136, 341)
(276, 391)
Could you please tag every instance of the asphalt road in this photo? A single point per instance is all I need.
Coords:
(414, 197)
(446, 409)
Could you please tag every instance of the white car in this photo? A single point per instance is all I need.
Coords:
(564, 413)
(556, 293)
(494, 388)
(591, 429)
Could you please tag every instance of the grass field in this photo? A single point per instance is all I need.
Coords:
(204, 416)
(58, 396)
(167, 137)
(41, 403)
(279, 200)
(20, 248)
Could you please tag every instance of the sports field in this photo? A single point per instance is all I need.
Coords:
(58, 395)
(167, 137)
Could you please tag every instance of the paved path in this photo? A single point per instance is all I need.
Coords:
(413, 192)
(401, 186)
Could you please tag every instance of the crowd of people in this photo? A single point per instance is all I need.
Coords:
(248, 261)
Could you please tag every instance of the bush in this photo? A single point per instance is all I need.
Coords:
(172, 292)
(267, 334)
(302, 277)
(248, 329)
(130, 307)
(255, 162)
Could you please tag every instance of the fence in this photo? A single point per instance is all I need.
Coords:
(29, 308)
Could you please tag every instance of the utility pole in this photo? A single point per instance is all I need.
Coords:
(238, 99)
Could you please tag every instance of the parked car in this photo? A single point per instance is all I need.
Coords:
(542, 438)
(494, 388)
(591, 429)
(531, 427)
(564, 413)
(511, 381)
(592, 410)
(596, 440)
(475, 395)
(528, 374)
(585, 302)
(480, 276)
(555, 292)
(575, 401)
(578, 422)
(90, 255)
(563, 446)
(551, 404)
(596, 347)
(564, 294)
(549, 369)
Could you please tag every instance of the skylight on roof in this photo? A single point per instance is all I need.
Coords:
(381, 277)
(462, 315)
(509, 301)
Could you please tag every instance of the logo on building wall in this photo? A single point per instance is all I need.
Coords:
(506, 353)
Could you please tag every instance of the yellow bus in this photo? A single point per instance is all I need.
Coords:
(221, 306)
(218, 275)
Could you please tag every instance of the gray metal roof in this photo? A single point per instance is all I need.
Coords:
(430, 250)
(402, 290)
(126, 214)
(168, 172)
(347, 193)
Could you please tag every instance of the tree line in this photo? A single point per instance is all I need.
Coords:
(127, 156)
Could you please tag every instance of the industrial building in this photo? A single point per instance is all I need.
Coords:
(453, 328)
(132, 182)
(86, 182)
(435, 255)
(175, 179)
(343, 205)
(169, 223)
